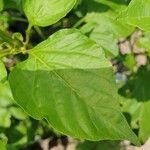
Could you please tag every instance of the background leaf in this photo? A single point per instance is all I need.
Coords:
(48, 12)
(137, 14)
(106, 30)
(136, 102)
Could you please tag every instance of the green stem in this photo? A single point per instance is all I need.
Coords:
(4, 53)
(7, 52)
(28, 32)
(40, 33)
(79, 22)
(18, 19)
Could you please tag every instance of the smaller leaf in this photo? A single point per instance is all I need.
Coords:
(105, 30)
(48, 12)
(18, 113)
(137, 14)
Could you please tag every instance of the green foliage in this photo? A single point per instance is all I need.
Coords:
(67, 79)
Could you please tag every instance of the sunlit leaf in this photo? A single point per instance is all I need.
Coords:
(68, 81)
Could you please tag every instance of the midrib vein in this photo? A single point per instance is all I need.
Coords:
(50, 68)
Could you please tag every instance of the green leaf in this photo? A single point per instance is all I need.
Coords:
(3, 72)
(68, 81)
(137, 102)
(132, 109)
(144, 121)
(18, 113)
(1, 5)
(105, 30)
(108, 24)
(48, 12)
(137, 14)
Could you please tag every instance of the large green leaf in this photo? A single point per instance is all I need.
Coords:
(48, 12)
(3, 72)
(68, 81)
(137, 14)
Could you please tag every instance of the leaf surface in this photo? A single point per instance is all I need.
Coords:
(106, 30)
(137, 14)
(68, 81)
(48, 12)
